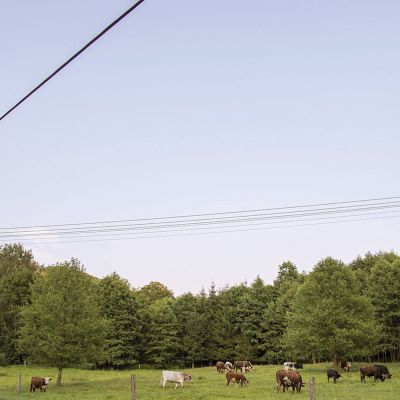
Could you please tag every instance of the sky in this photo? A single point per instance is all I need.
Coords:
(200, 106)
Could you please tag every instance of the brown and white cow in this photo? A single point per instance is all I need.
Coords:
(285, 379)
(235, 377)
(243, 366)
(221, 368)
(39, 383)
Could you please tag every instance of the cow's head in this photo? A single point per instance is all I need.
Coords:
(187, 377)
(286, 381)
(47, 380)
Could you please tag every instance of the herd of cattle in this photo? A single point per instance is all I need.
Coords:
(286, 378)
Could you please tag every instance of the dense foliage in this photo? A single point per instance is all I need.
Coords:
(61, 316)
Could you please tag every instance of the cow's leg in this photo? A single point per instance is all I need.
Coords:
(163, 384)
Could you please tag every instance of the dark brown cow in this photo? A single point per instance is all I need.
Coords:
(372, 371)
(332, 373)
(39, 383)
(384, 370)
(243, 366)
(220, 367)
(232, 376)
(285, 379)
(345, 365)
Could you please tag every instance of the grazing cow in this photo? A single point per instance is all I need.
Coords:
(243, 366)
(235, 377)
(289, 365)
(345, 365)
(332, 373)
(372, 371)
(39, 383)
(285, 379)
(384, 370)
(229, 366)
(220, 367)
(175, 377)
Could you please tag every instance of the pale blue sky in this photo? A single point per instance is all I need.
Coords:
(200, 106)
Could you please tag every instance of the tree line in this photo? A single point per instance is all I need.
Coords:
(61, 316)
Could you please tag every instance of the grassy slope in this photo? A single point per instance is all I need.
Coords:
(207, 385)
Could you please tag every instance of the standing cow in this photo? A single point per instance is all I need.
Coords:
(372, 371)
(285, 379)
(174, 377)
(229, 366)
(243, 366)
(39, 383)
(232, 376)
(384, 370)
(220, 367)
(345, 365)
(332, 373)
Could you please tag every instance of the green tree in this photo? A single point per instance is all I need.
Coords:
(120, 307)
(154, 291)
(384, 290)
(275, 317)
(362, 266)
(17, 270)
(62, 325)
(162, 340)
(250, 309)
(332, 318)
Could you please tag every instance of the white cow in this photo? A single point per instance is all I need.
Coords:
(229, 366)
(289, 366)
(175, 377)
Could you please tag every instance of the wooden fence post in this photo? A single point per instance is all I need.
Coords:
(312, 388)
(19, 383)
(133, 387)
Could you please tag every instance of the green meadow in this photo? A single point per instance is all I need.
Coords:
(206, 385)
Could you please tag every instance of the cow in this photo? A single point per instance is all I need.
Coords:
(220, 367)
(229, 366)
(332, 373)
(174, 377)
(39, 383)
(345, 365)
(372, 371)
(384, 370)
(285, 379)
(290, 365)
(233, 376)
(243, 366)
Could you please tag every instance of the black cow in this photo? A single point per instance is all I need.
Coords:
(372, 371)
(332, 373)
(384, 370)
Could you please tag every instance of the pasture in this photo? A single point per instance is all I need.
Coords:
(207, 385)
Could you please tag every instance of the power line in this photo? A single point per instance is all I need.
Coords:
(312, 205)
(210, 223)
(213, 232)
(105, 30)
(214, 223)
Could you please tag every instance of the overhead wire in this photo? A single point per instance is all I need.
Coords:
(207, 222)
(80, 51)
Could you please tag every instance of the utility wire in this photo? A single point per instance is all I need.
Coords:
(128, 11)
(248, 211)
(210, 228)
(176, 224)
(213, 232)
(275, 218)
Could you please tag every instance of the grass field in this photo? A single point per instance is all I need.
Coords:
(207, 385)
